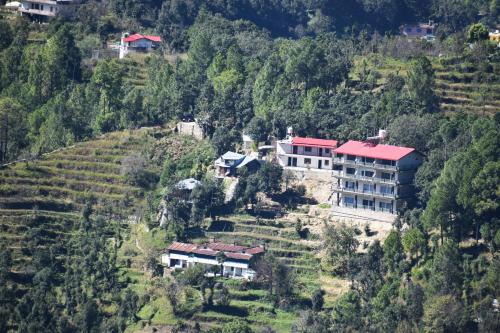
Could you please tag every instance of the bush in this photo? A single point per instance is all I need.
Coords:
(135, 173)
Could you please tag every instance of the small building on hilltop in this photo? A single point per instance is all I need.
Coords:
(138, 43)
(43, 10)
(374, 176)
(236, 261)
(228, 164)
(419, 30)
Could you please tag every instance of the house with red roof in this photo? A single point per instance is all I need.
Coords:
(374, 176)
(138, 43)
(237, 263)
(305, 153)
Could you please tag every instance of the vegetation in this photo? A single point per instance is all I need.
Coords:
(90, 167)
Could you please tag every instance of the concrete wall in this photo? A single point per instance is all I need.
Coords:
(190, 128)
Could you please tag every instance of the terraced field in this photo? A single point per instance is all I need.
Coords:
(248, 303)
(460, 85)
(41, 201)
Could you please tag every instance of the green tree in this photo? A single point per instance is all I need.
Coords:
(236, 326)
(5, 35)
(477, 32)
(340, 244)
(13, 129)
(413, 242)
(437, 314)
(421, 83)
(393, 251)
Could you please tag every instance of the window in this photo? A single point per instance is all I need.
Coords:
(327, 162)
(327, 151)
(386, 175)
(51, 9)
(350, 185)
(384, 189)
(368, 160)
(307, 161)
(385, 206)
(367, 188)
(351, 158)
(337, 167)
(368, 203)
(350, 171)
(419, 30)
(41, 7)
(366, 173)
(349, 201)
(307, 149)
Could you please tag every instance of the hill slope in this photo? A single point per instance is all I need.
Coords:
(41, 201)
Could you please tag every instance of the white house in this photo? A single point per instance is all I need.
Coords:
(237, 261)
(373, 176)
(305, 153)
(138, 43)
(42, 10)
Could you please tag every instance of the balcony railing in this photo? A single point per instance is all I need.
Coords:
(365, 192)
(370, 179)
(367, 164)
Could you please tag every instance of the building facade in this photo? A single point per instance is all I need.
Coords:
(42, 10)
(305, 153)
(237, 260)
(373, 176)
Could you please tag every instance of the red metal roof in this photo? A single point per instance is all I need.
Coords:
(255, 250)
(212, 249)
(240, 256)
(136, 37)
(311, 142)
(225, 247)
(367, 149)
(182, 247)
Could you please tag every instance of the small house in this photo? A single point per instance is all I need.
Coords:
(138, 43)
(228, 164)
(236, 262)
(419, 30)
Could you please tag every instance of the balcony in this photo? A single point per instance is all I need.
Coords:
(344, 175)
(37, 12)
(345, 161)
(343, 189)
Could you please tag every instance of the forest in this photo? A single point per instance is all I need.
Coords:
(88, 140)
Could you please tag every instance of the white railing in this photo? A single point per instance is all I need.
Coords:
(361, 191)
(367, 164)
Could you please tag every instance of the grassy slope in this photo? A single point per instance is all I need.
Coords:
(251, 305)
(456, 84)
(45, 197)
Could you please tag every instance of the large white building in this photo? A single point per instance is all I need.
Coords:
(237, 262)
(305, 153)
(42, 10)
(374, 176)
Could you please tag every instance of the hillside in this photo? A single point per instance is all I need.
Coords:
(41, 201)
(248, 302)
(460, 85)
